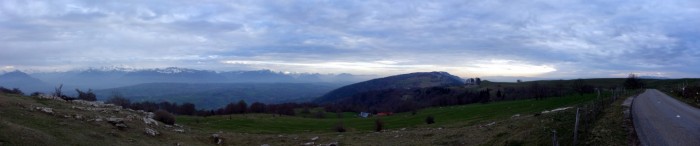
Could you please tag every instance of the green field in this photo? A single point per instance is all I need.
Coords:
(463, 115)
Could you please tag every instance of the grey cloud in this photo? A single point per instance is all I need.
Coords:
(575, 37)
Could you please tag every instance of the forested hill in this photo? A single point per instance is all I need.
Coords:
(404, 81)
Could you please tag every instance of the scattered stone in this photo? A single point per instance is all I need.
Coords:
(44, 96)
(403, 129)
(117, 122)
(114, 120)
(217, 139)
(555, 110)
(264, 145)
(150, 121)
(78, 116)
(314, 138)
(308, 143)
(112, 133)
(178, 125)
(150, 115)
(168, 126)
(45, 110)
(151, 132)
(333, 144)
(121, 126)
(89, 103)
(515, 116)
(179, 130)
(130, 117)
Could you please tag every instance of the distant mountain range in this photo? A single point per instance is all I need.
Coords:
(404, 81)
(112, 77)
(23, 81)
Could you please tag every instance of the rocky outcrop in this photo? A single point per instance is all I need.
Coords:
(51, 97)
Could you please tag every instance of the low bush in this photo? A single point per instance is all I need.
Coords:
(165, 117)
(378, 125)
(430, 120)
(339, 127)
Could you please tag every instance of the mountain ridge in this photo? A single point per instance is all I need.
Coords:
(402, 81)
(113, 77)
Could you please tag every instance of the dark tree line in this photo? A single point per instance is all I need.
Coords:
(180, 109)
(11, 91)
(240, 107)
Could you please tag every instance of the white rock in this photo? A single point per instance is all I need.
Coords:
(314, 138)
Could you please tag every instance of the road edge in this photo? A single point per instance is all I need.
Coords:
(632, 137)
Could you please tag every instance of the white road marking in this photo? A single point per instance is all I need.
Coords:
(678, 116)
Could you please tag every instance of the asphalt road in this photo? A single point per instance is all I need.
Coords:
(661, 120)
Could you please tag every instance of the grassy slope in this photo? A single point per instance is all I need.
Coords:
(19, 125)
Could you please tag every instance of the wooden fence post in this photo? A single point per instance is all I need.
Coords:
(554, 138)
(576, 127)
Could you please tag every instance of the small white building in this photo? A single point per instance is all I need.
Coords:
(364, 114)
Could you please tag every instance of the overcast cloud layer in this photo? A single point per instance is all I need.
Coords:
(538, 38)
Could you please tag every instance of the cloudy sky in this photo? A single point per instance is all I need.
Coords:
(534, 38)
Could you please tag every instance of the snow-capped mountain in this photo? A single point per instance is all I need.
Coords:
(117, 76)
